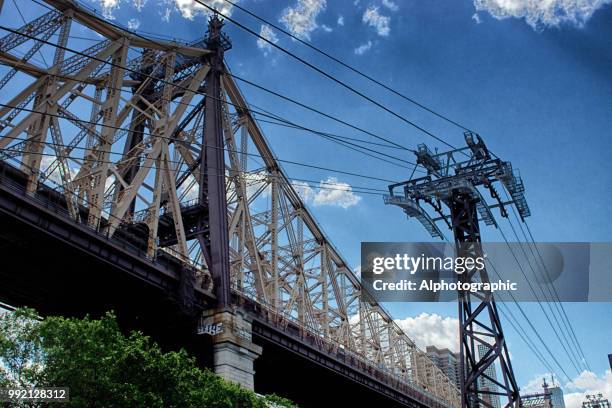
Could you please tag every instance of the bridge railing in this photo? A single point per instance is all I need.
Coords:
(292, 327)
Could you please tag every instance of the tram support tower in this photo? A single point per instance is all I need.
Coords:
(452, 188)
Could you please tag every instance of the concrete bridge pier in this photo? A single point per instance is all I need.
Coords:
(233, 349)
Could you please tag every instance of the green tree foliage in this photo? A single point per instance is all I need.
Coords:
(21, 357)
(104, 368)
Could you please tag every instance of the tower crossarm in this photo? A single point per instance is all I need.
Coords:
(413, 209)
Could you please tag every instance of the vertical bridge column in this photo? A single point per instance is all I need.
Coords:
(233, 349)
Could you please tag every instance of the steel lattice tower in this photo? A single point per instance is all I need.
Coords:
(452, 181)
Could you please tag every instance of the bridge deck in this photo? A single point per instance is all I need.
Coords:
(62, 267)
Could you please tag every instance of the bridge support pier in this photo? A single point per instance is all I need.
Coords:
(233, 349)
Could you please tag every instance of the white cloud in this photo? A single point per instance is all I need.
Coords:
(587, 383)
(363, 48)
(326, 28)
(374, 19)
(305, 192)
(575, 391)
(430, 329)
(333, 192)
(189, 190)
(301, 20)
(476, 18)
(139, 4)
(534, 386)
(390, 5)
(340, 20)
(330, 192)
(55, 176)
(108, 183)
(190, 8)
(108, 7)
(267, 33)
(537, 14)
(257, 181)
(133, 24)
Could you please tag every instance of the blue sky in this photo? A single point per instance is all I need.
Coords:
(533, 80)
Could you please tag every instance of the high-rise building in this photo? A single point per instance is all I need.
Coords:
(556, 395)
(552, 397)
(445, 360)
(484, 384)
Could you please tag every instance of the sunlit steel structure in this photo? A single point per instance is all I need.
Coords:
(148, 142)
(451, 191)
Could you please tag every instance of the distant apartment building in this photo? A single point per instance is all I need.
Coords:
(445, 360)
(556, 396)
(596, 401)
(551, 397)
(484, 384)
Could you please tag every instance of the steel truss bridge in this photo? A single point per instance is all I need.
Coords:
(133, 176)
